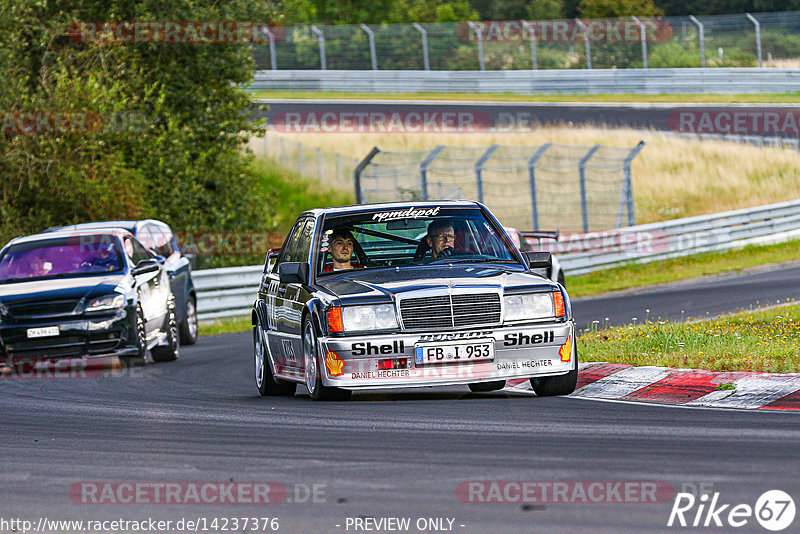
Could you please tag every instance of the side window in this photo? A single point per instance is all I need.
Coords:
(145, 237)
(139, 252)
(304, 243)
(290, 245)
(162, 238)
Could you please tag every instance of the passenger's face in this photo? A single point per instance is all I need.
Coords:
(342, 249)
(443, 238)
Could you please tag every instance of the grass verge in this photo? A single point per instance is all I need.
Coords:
(644, 274)
(776, 98)
(761, 340)
(291, 194)
(227, 325)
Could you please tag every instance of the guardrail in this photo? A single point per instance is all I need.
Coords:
(584, 253)
(573, 81)
(231, 291)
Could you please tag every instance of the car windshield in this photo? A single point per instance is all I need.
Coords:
(411, 236)
(62, 257)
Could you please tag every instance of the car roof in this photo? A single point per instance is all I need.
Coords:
(129, 225)
(54, 234)
(363, 208)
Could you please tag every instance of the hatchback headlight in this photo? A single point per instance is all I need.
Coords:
(361, 318)
(108, 302)
(532, 306)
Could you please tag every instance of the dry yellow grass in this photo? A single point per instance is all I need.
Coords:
(672, 177)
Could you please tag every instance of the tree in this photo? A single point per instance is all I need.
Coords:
(176, 155)
(600, 9)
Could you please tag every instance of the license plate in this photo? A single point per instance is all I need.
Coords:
(46, 331)
(454, 353)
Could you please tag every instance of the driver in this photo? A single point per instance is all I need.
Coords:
(106, 258)
(341, 249)
(441, 238)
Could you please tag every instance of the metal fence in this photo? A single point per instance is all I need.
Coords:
(551, 186)
(758, 39)
(231, 291)
(331, 169)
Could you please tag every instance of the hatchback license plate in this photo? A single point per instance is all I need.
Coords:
(454, 353)
(46, 331)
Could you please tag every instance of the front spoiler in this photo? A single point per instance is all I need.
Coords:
(519, 352)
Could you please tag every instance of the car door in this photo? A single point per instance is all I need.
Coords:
(177, 266)
(152, 287)
(279, 337)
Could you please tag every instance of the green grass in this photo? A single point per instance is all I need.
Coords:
(777, 98)
(645, 274)
(227, 325)
(761, 340)
(291, 194)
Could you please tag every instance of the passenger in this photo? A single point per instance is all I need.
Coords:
(441, 238)
(341, 244)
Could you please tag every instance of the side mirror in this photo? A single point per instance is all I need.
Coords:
(539, 260)
(149, 265)
(293, 272)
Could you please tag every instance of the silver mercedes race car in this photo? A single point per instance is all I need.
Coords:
(356, 299)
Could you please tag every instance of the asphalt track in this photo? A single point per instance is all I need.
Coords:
(398, 454)
(698, 298)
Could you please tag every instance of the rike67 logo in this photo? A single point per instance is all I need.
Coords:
(774, 510)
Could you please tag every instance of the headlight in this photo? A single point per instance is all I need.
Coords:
(108, 302)
(361, 318)
(533, 306)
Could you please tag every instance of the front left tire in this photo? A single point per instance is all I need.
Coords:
(169, 351)
(267, 384)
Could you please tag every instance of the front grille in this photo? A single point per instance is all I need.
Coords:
(450, 311)
(45, 308)
(58, 346)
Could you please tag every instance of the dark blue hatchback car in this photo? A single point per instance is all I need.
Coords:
(158, 238)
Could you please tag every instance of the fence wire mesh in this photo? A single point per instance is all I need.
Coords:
(331, 169)
(726, 40)
(576, 188)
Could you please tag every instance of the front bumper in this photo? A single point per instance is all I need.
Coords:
(83, 336)
(519, 352)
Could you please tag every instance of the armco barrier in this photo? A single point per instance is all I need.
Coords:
(231, 291)
(573, 81)
(773, 223)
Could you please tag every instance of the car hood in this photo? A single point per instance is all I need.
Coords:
(379, 283)
(59, 288)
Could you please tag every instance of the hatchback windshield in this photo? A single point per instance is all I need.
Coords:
(411, 236)
(61, 257)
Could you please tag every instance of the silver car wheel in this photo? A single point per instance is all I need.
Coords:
(191, 318)
(258, 352)
(310, 358)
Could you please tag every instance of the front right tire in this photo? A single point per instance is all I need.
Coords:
(316, 389)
